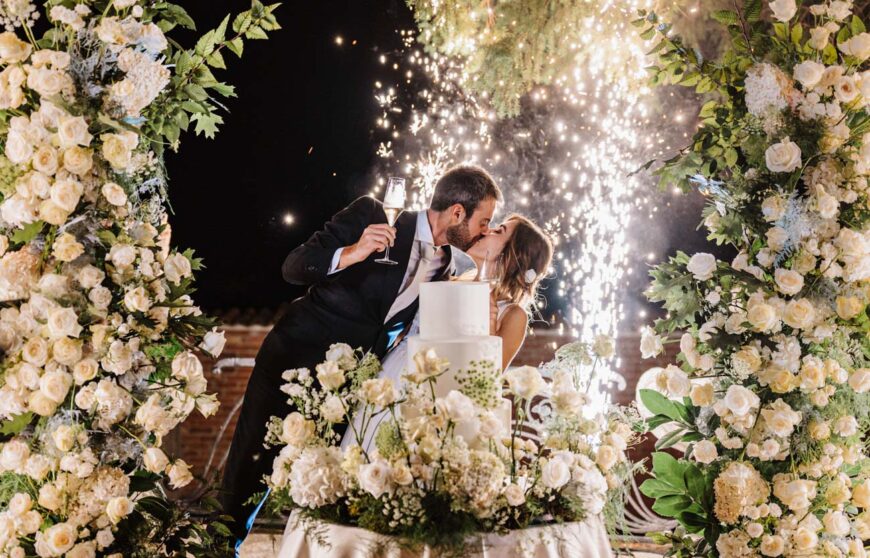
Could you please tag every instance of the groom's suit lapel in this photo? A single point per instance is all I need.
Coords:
(406, 230)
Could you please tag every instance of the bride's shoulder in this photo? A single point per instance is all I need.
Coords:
(514, 312)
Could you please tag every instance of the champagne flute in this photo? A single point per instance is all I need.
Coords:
(394, 204)
(487, 272)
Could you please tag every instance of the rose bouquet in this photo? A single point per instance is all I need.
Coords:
(770, 392)
(444, 470)
(97, 328)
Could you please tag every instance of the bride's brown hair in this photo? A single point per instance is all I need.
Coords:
(523, 263)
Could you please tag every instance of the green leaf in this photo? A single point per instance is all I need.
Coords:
(726, 17)
(669, 439)
(237, 46)
(28, 233)
(668, 469)
(659, 404)
(671, 506)
(196, 92)
(242, 21)
(216, 60)
(15, 425)
(256, 33)
(655, 488)
(752, 11)
(206, 123)
(797, 33)
(857, 26)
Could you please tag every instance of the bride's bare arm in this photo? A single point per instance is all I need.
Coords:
(512, 330)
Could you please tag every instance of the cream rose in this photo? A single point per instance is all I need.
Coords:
(58, 538)
(213, 343)
(525, 381)
(85, 370)
(809, 73)
(179, 474)
(799, 314)
(118, 508)
(176, 268)
(13, 49)
(45, 160)
(379, 392)
(783, 10)
(859, 380)
(857, 46)
(136, 300)
(784, 156)
(73, 131)
(845, 89)
(67, 351)
(66, 248)
(66, 194)
(296, 430)
(762, 316)
(651, 344)
(789, 282)
(555, 474)
(332, 409)
(705, 451)
(740, 400)
(819, 37)
(776, 238)
(114, 194)
(330, 375)
(849, 306)
(118, 149)
(374, 477)
(702, 266)
(702, 395)
(78, 160)
(772, 545)
(514, 495)
(861, 495)
(90, 276)
(155, 460)
(459, 406)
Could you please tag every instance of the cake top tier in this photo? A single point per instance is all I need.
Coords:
(451, 309)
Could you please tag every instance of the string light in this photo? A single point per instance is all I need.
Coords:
(288, 219)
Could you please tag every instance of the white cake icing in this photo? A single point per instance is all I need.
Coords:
(451, 309)
(454, 322)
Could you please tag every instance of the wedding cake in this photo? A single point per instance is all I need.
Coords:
(454, 321)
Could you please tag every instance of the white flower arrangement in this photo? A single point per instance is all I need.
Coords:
(97, 328)
(425, 469)
(769, 394)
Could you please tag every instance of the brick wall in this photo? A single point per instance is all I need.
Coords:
(195, 439)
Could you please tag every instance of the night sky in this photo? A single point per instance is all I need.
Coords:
(299, 140)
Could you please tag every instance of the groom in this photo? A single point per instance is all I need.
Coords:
(351, 300)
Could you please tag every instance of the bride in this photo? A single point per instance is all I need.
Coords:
(519, 253)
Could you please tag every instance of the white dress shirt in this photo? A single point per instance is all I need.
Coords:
(424, 245)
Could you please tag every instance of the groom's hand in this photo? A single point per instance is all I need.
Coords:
(375, 238)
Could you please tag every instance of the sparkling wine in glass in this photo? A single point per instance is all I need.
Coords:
(487, 272)
(394, 204)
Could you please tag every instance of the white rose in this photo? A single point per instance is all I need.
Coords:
(676, 381)
(740, 400)
(101, 297)
(20, 504)
(118, 149)
(13, 455)
(66, 248)
(114, 194)
(332, 409)
(861, 495)
(73, 131)
(13, 49)
(762, 316)
(845, 89)
(380, 392)
(330, 375)
(705, 451)
(85, 370)
(772, 545)
(788, 281)
(651, 344)
(783, 10)
(555, 474)
(459, 406)
(819, 37)
(809, 73)
(702, 266)
(90, 276)
(66, 194)
(827, 205)
(176, 268)
(188, 368)
(514, 495)
(783, 157)
(78, 160)
(839, 9)
(296, 430)
(606, 457)
(799, 314)
(50, 497)
(18, 148)
(35, 351)
(796, 494)
(41, 405)
(52, 213)
(858, 46)
(525, 381)
(67, 351)
(136, 300)
(155, 460)
(213, 343)
(118, 508)
(122, 255)
(63, 322)
(55, 385)
(179, 474)
(343, 354)
(45, 160)
(836, 523)
(773, 208)
(59, 538)
(374, 477)
(859, 380)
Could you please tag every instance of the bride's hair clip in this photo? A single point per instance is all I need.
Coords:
(530, 276)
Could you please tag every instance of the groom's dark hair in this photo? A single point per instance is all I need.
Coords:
(467, 185)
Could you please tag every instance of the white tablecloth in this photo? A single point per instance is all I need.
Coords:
(303, 539)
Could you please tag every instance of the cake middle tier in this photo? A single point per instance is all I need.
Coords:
(463, 354)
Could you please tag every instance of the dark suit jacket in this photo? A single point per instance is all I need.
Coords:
(348, 306)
